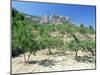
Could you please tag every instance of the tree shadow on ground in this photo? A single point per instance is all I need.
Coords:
(90, 59)
(44, 62)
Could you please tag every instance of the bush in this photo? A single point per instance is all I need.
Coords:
(16, 52)
(89, 45)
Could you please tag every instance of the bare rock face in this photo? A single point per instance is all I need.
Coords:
(54, 19)
(51, 19)
(44, 19)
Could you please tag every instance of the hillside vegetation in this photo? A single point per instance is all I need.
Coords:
(32, 36)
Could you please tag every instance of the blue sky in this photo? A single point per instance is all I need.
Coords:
(80, 14)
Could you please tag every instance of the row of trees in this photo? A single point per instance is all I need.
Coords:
(86, 45)
(30, 36)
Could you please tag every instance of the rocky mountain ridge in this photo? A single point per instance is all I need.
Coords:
(51, 19)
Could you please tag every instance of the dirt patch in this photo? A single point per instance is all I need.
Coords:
(43, 62)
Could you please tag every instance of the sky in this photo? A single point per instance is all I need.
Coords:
(79, 14)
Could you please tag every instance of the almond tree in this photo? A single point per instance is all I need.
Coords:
(74, 46)
(89, 45)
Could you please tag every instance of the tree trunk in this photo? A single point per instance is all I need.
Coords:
(76, 54)
(29, 56)
(24, 58)
(49, 51)
(34, 53)
(92, 52)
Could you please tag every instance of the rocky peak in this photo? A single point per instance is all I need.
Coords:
(53, 19)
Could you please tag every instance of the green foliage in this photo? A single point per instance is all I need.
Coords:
(84, 45)
(85, 30)
(88, 45)
(81, 25)
(91, 30)
(14, 12)
(22, 36)
(82, 29)
(48, 42)
(74, 46)
(19, 16)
